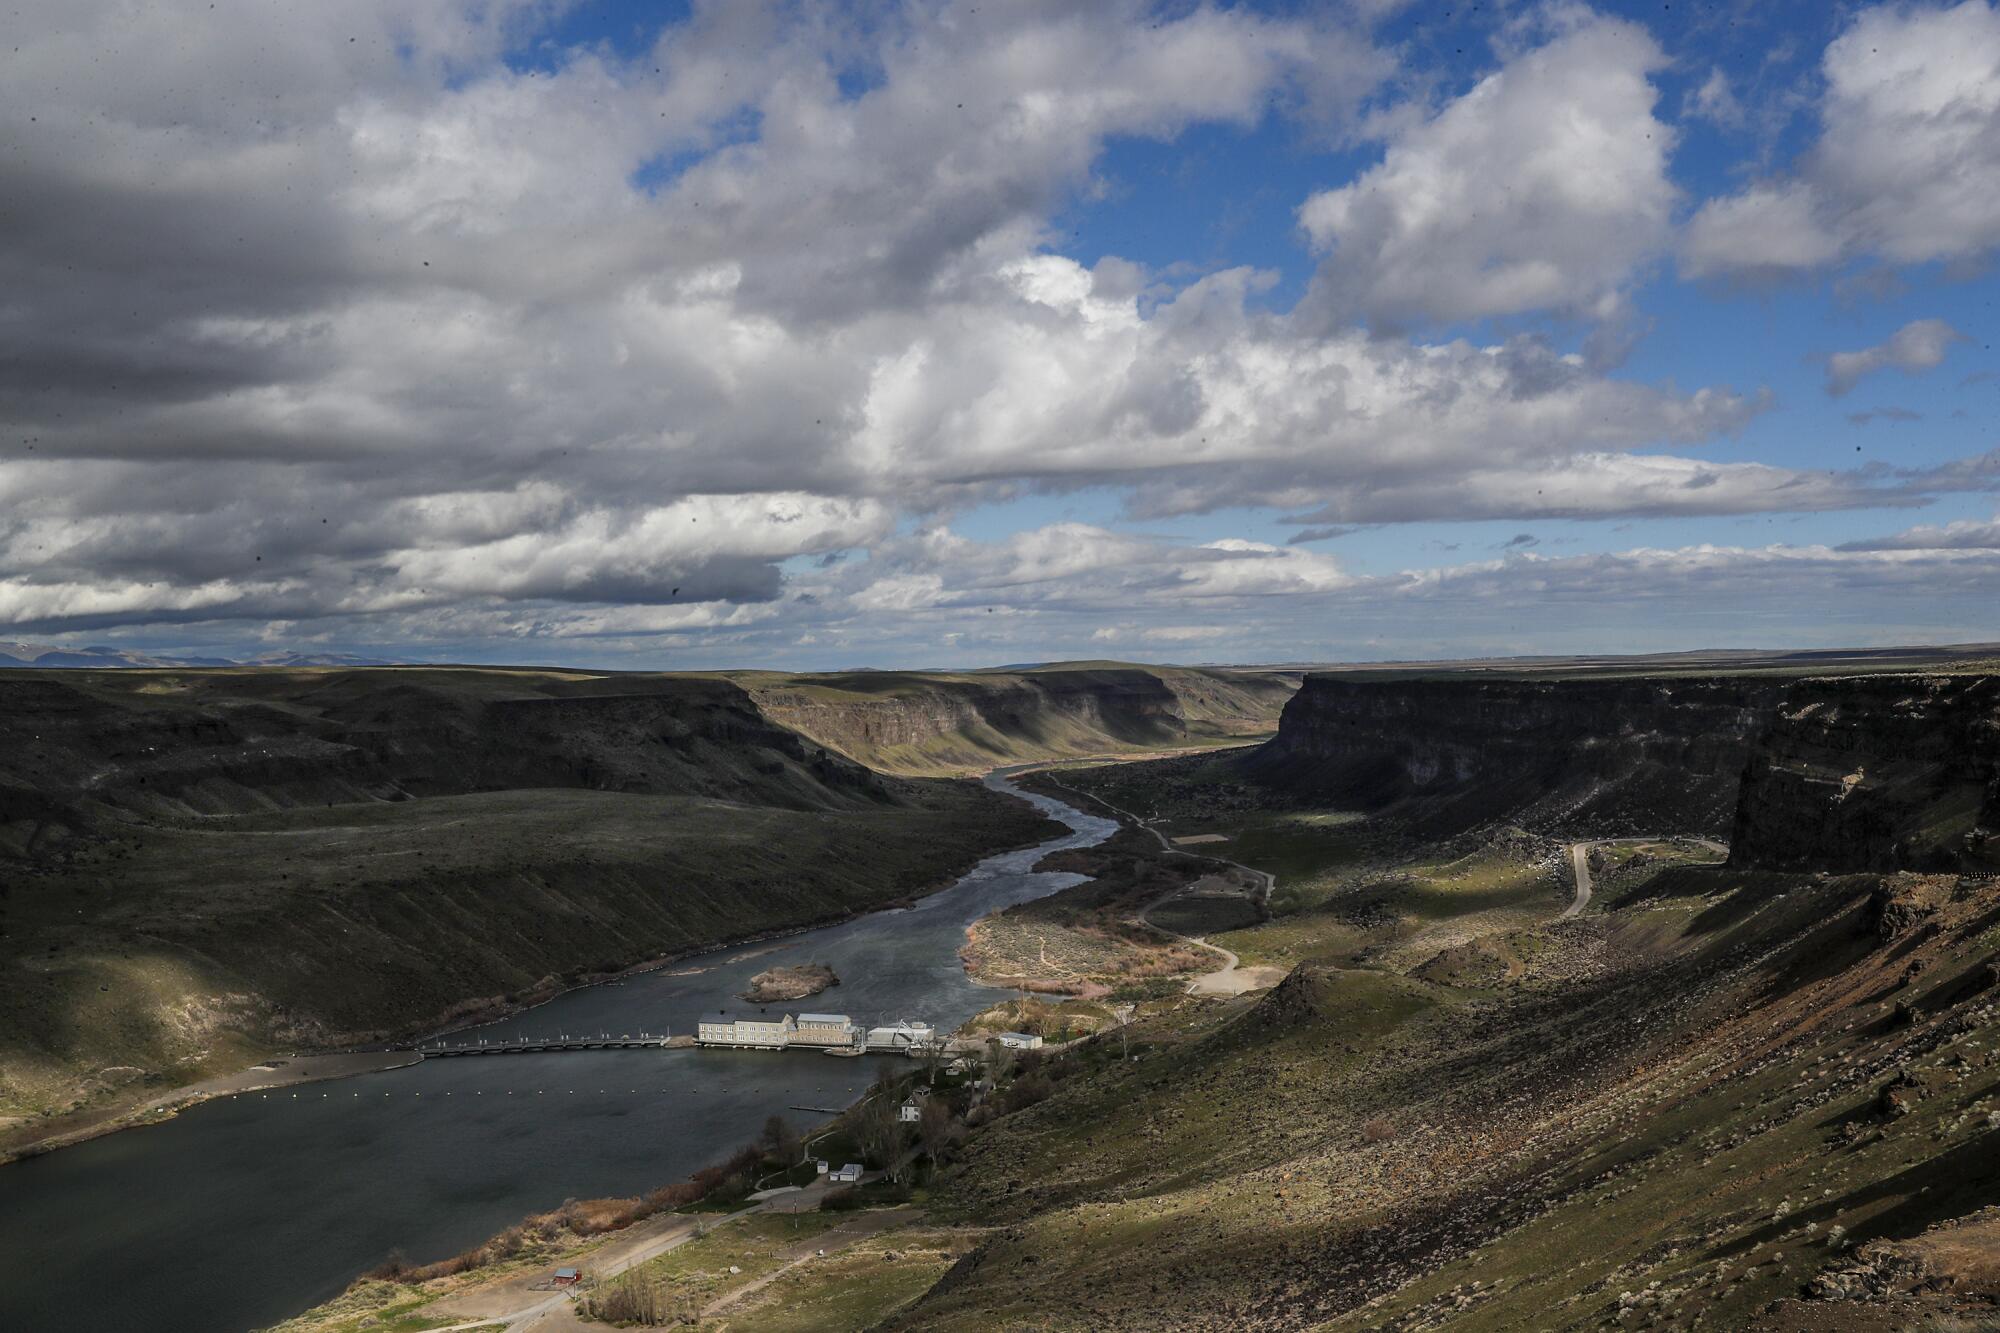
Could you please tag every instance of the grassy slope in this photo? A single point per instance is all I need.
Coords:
(1681, 1088)
(1362, 1135)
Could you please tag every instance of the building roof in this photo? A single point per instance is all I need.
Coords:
(1024, 1036)
(569, 1272)
(826, 1020)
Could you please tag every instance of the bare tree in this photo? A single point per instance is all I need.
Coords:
(933, 1056)
(1124, 1012)
(936, 1128)
(880, 1135)
(779, 1141)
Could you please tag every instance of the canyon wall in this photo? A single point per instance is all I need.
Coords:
(79, 749)
(1890, 772)
(933, 724)
(1445, 753)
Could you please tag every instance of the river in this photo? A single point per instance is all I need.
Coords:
(245, 1210)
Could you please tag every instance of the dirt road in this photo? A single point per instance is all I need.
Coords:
(1579, 860)
(514, 1304)
(1232, 978)
(827, 1242)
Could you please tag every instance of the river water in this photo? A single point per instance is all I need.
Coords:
(245, 1210)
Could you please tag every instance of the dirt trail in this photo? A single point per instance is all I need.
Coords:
(513, 1303)
(827, 1242)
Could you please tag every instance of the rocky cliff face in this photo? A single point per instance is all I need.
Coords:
(1870, 772)
(1891, 772)
(1583, 755)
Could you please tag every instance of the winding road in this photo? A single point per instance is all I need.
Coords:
(1579, 860)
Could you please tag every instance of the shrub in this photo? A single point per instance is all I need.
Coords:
(841, 1200)
(1378, 1130)
(629, 1300)
(1024, 1092)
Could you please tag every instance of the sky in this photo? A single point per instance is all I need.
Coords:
(940, 334)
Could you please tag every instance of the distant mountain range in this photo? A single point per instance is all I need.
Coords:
(48, 655)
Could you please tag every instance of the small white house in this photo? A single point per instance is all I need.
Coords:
(1020, 1041)
(847, 1175)
(819, 1166)
(910, 1112)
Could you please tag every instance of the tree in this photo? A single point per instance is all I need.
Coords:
(936, 1128)
(933, 1052)
(880, 1135)
(779, 1141)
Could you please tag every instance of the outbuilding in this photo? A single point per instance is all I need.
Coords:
(848, 1174)
(568, 1277)
(1020, 1041)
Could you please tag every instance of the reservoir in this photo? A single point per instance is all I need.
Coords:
(245, 1210)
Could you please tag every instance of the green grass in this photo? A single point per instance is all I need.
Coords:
(853, 1289)
(371, 1307)
(758, 1244)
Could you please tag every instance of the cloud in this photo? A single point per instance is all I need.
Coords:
(1966, 534)
(1884, 414)
(1909, 141)
(1916, 347)
(1160, 634)
(1308, 535)
(338, 320)
(1543, 187)
(1714, 101)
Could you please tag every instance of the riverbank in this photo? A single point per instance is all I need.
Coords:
(277, 1072)
(29, 1137)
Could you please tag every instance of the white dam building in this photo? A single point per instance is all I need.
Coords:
(826, 1032)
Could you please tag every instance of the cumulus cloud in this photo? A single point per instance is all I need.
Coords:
(1909, 144)
(1916, 347)
(1542, 187)
(336, 319)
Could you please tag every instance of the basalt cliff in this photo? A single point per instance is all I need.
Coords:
(1855, 772)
